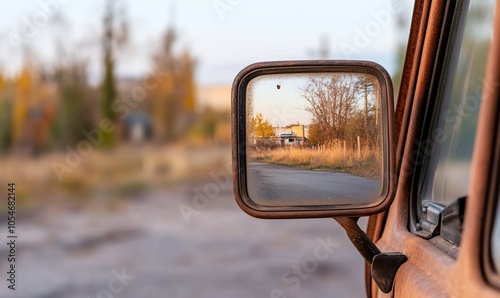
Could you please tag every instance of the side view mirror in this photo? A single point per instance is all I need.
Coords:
(313, 139)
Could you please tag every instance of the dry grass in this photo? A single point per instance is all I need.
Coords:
(332, 158)
(127, 171)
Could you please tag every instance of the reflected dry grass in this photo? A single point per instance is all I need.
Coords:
(330, 158)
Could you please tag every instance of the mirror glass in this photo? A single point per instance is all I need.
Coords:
(314, 139)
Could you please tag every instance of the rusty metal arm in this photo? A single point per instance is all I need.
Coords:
(384, 265)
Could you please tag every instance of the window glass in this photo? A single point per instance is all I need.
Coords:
(446, 177)
(495, 241)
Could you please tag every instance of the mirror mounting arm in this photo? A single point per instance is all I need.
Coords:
(384, 266)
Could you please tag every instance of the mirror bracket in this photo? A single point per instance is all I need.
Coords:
(384, 266)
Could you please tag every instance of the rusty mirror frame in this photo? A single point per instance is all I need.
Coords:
(239, 127)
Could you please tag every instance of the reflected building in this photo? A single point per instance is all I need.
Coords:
(292, 135)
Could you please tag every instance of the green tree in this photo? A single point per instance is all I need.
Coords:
(115, 35)
(75, 104)
(5, 116)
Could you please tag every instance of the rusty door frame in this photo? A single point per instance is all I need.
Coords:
(444, 275)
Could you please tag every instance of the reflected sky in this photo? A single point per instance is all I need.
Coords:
(280, 98)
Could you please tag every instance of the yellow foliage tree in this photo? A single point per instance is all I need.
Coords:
(159, 102)
(2, 82)
(262, 127)
(188, 82)
(24, 88)
(5, 117)
(174, 100)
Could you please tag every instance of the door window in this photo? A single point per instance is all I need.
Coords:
(495, 241)
(448, 154)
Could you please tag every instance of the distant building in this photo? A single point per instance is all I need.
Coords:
(138, 127)
(290, 140)
(294, 135)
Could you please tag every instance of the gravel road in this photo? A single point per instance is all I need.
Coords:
(179, 243)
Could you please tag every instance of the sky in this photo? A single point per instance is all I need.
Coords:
(281, 105)
(223, 35)
(280, 98)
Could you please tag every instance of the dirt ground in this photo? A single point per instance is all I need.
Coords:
(176, 242)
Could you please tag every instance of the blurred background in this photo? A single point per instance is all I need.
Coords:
(115, 128)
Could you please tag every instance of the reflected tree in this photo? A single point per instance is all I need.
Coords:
(342, 108)
(261, 127)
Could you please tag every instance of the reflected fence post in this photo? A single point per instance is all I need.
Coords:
(359, 147)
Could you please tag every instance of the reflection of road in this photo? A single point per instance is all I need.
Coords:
(270, 184)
